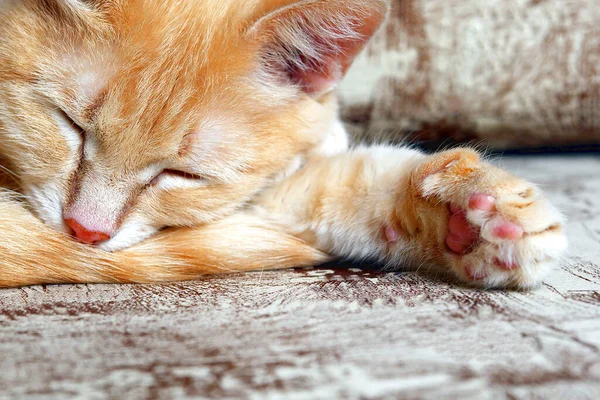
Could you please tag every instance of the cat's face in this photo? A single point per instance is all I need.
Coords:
(121, 117)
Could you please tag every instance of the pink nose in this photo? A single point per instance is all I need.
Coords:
(87, 237)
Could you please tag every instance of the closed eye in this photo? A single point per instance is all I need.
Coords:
(176, 173)
(73, 124)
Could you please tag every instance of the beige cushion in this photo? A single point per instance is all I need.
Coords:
(508, 73)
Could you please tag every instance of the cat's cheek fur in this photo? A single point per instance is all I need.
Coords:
(47, 202)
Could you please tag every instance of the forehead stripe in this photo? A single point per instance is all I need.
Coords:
(91, 110)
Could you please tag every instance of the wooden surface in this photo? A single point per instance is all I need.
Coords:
(322, 333)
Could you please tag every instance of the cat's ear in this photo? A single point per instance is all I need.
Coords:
(68, 6)
(312, 43)
(71, 11)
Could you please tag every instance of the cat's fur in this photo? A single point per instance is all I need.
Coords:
(233, 99)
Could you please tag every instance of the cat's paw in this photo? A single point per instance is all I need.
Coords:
(501, 231)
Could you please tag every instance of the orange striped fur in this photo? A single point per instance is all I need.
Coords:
(203, 136)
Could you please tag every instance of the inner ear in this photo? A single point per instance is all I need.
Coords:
(79, 12)
(64, 7)
(313, 43)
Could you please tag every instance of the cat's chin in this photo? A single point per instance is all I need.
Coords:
(133, 231)
(112, 246)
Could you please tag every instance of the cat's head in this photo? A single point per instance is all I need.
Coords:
(122, 117)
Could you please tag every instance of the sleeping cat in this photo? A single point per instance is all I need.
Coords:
(151, 140)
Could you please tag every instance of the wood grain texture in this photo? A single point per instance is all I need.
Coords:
(323, 333)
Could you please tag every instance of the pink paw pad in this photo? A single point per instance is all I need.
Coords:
(508, 230)
(461, 234)
(482, 202)
(391, 235)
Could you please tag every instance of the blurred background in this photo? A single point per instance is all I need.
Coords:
(518, 75)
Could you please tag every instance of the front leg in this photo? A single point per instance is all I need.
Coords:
(400, 206)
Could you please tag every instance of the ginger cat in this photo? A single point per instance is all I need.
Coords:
(153, 141)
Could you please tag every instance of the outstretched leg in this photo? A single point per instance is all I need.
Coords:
(453, 209)
(396, 204)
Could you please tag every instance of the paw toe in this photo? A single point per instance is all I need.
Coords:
(475, 274)
(481, 202)
(392, 235)
(508, 230)
(505, 264)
